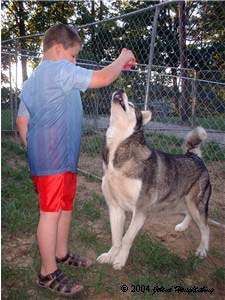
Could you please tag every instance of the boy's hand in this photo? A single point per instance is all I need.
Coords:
(127, 58)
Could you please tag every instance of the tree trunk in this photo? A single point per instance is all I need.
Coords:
(22, 32)
(101, 11)
(183, 100)
(93, 27)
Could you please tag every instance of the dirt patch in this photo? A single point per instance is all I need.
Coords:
(86, 187)
(92, 165)
(217, 178)
(16, 251)
(184, 244)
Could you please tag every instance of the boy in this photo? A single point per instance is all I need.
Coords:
(49, 122)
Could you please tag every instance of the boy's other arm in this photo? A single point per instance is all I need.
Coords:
(108, 74)
(22, 123)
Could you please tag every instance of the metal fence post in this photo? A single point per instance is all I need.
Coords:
(194, 99)
(151, 54)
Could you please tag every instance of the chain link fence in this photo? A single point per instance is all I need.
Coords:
(181, 96)
(179, 77)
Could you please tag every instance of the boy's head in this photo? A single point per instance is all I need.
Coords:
(64, 39)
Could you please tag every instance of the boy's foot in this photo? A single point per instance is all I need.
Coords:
(58, 282)
(75, 261)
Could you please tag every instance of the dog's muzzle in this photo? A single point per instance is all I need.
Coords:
(118, 98)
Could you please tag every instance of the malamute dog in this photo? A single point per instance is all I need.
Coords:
(139, 179)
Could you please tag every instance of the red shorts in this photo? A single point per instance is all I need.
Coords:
(56, 192)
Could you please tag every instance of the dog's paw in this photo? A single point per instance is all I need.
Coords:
(120, 259)
(108, 257)
(117, 266)
(119, 263)
(104, 258)
(180, 227)
(201, 252)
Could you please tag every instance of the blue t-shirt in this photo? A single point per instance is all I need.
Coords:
(51, 97)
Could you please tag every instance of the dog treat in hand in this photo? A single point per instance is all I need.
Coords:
(130, 65)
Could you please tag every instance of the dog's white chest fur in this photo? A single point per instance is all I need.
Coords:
(119, 189)
(116, 186)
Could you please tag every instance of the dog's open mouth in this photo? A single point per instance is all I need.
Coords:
(118, 97)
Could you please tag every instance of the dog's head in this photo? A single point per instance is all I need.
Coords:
(125, 116)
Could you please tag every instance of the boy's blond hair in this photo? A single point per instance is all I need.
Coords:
(61, 34)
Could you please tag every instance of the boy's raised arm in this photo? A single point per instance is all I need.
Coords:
(108, 74)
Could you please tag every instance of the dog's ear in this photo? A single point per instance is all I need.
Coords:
(146, 115)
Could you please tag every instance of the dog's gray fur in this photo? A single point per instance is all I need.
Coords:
(140, 179)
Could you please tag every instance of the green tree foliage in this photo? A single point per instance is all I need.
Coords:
(102, 42)
(206, 52)
(33, 17)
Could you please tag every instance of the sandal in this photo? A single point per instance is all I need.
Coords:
(58, 282)
(75, 261)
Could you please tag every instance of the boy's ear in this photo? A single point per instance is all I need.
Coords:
(58, 48)
(146, 115)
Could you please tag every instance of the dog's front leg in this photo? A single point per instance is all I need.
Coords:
(136, 224)
(117, 219)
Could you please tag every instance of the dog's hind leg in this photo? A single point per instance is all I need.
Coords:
(184, 224)
(117, 219)
(136, 224)
(202, 225)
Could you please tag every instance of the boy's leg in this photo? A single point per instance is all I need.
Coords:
(62, 252)
(56, 194)
(63, 233)
(47, 239)
(66, 207)
(51, 190)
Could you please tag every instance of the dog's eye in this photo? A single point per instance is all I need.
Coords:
(131, 104)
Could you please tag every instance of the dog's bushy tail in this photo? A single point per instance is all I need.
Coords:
(194, 139)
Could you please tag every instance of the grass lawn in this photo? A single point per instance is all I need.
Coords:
(211, 123)
(92, 145)
(150, 265)
(171, 144)
(207, 122)
(6, 119)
